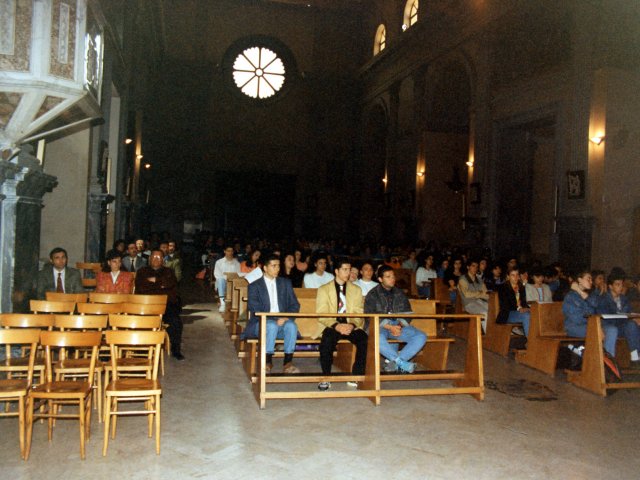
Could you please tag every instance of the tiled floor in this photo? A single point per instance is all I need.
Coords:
(212, 428)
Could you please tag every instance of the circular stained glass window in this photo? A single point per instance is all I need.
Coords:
(258, 72)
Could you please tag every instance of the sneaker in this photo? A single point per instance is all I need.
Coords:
(352, 384)
(222, 306)
(290, 368)
(390, 367)
(404, 366)
(518, 331)
(324, 386)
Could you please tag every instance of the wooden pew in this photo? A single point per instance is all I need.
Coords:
(498, 336)
(468, 381)
(305, 293)
(440, 292)
(592, 377)
(546, 336)
(403, 280)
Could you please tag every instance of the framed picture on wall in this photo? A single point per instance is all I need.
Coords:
(575, 184)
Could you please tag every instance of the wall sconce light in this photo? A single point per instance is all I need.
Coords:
(404, 27)
(384, 180)
(147, 165)
(139, 156)
(420, 173)
(597, 139)
(470, 163)
(128, 141)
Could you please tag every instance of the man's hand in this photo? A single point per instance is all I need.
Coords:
(395, 330)
(151, 279)
(344, 328)
(280, 321)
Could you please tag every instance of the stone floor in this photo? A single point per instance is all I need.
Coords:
(212, 428)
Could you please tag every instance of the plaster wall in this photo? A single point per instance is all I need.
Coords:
(64, 216)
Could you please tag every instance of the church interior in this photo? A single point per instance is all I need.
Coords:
(502, 126)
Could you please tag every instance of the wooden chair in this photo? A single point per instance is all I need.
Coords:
(66, 297)
(77, 367)
(54, 393)
(95, 297)
(93, 268)
(546, 335)
(99, 308)
(591, 377)
(147, 390)
(15, 390)
(146, 308)
(44, 306)
(19, 366)
(147, 299)
(137, 362)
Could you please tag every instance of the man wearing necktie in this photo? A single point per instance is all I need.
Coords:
(57, 277)
(133, 261)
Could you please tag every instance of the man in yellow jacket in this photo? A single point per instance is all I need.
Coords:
(341, 296)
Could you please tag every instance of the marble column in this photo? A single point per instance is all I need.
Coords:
(22, 186)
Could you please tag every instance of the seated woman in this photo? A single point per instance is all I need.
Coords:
(513, 302)
(451, 278)
(251, 263)
(599, 282)
(494, 279)
(113, 280)
(615, 302)
(424, 276)
(473, 292)
(291, 272)
(301, 263)
(538, 291)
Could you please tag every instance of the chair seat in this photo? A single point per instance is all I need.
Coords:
(76, 363)
(64, 388)
(130, 362)
(138, 386)
(20, 362)
(13, 387)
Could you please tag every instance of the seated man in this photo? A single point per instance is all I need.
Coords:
(272, 293)
(387, 298)
(341, 296)
(615, 302)
(513, 302)
(57, 277)
(226, 264)
(133, 261)
(156, 279)
(319, 276)
(473, 292)
(366, 282)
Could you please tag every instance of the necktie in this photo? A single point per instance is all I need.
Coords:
(59, 286)
(133, 264)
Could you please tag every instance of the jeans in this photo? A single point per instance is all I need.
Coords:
(520, 317)
(424, 292)
(414, 339)
(612, 327)
(288, 332)
(221, 286)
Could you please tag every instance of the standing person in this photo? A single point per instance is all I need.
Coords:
(473, 292)
(513, 302)
(366, 281)
(57, 277)
(387, 298)
(112, 279)
(133, 261)
(273, 293)
(156, 279)
(341, 296)
(319, 276)
(227, 264)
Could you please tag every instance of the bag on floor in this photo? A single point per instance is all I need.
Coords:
(611, 370)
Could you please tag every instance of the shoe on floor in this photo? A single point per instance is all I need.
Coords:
(290, 369)
(267, 368)
(178, 356)
(518, 331)
(352, 384)
(390, 367)
(222, 306)
(404, 366)
(324, 386)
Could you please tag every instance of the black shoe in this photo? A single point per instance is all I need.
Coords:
(178, 356)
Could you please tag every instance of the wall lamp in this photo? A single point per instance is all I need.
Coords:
(470, 163)
(147, 166)
(384, 180)
(128, 141)
(139, 156)
(597, 139)
(420, 173)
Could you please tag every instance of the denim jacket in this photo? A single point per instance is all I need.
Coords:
(606, 304)
(576, 310)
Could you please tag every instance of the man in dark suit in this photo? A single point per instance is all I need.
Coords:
(57, 277)
(133, 261)
(274, 294)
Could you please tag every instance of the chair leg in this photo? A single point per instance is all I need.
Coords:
(157, 402)
(21, 401)
(99, 395)
(148, 405)
(81, 415)
(29, 431)
(52, 410)
(89, 403)
(114, 420)
(107, 420)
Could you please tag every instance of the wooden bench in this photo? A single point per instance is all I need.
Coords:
(468, 381)
(546, 335)
(305, 293)
(404, 280)
(498, 335)
(591, 377)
